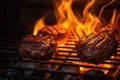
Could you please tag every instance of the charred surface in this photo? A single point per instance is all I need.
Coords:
(96, 48)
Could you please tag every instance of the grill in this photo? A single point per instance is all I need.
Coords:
(15, 67)
(20, 16)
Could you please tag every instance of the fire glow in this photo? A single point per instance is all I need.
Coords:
(67, 22)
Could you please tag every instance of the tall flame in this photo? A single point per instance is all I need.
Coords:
(39, 25)
(68, 21)
(113, 17)
(90, 21)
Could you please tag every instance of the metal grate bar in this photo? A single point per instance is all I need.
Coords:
(65, 54)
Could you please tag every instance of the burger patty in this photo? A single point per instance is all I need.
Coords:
(38, 47)
(95, 48)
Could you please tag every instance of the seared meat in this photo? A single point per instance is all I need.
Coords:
(58, 32)
(40, 47)
(95, 48)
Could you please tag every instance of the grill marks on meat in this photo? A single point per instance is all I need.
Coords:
(44, 44)
(40, 47)
(96, 48)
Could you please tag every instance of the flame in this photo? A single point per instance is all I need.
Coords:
(92, 22)
(113, 17)
(39, 25)
(67, 22)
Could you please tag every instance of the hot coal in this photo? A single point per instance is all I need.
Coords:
(94, 74)
(38, 47)
(66, 68)
(96, 48)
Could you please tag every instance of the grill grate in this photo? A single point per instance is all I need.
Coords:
(10, 60)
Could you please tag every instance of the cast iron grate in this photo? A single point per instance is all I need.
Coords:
(15, 67)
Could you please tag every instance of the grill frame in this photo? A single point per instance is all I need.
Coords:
(11, 47)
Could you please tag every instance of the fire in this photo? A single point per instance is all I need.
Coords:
(90, 21)
(67, 21)
(39, 25)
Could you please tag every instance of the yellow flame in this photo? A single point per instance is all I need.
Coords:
(65, 17)
(64, 13)
(87, 8)
(67, 20)
(113, 17)
(39, 25)
(90, 21)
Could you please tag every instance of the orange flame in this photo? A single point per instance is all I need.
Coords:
(90, 21)
(68, 23)
(39, 25)
(66, 19)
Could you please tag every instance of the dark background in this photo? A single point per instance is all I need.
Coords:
(17, 17)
